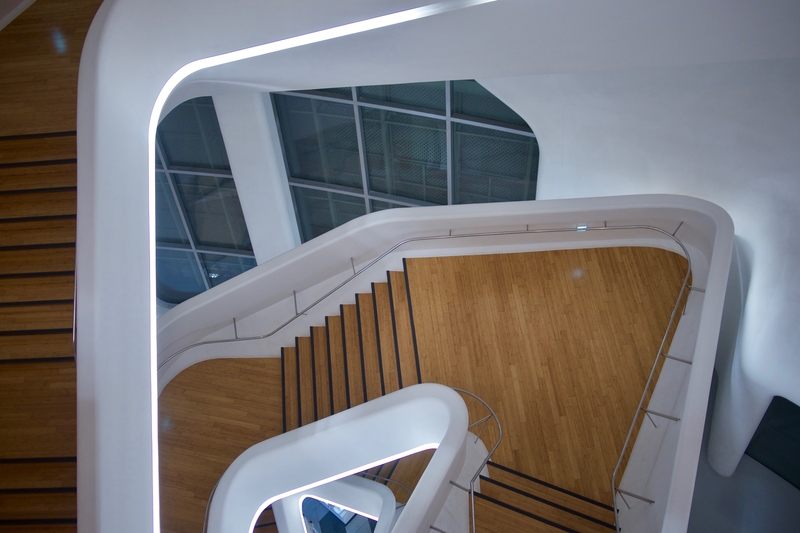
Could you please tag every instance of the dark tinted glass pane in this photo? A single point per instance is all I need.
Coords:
(191, 137)
(221, 268)
(378, 205)
(430, 96)
(320, 140)
(321, 211)
(472, 100)
(406, 155)
(338, 92)
(178, 277)
(776, 442)
(493, 166)
(169, 228)
(213, 211)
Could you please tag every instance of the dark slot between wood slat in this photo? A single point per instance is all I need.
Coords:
(39, 163)
(45, 135)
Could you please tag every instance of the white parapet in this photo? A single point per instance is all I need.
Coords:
(417, 418)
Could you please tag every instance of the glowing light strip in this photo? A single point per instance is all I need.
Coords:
(200, 64)
(412, 451)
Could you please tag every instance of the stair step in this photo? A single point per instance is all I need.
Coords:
(369, 346)
(384, 329)
(60, 504)
(493, 516)
(357, 387)
(305, 376)
(266, 522)
(408, 471)
(403, 330)
(291, 405)
(556, 495)
(338, 377)
(319, 349)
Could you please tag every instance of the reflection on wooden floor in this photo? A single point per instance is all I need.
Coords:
(208, 415)
(558, 343)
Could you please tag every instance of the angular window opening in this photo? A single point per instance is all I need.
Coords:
(350, 151)
(201, 235)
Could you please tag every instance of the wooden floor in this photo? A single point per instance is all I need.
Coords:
(558, 343)
(208, 415)
(38, 102)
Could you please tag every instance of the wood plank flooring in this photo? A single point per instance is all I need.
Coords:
(208, 415)
(558, 343)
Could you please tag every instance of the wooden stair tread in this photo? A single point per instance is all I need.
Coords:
(291, 406)
(384, 330)
(39, 177)
(24, 346)
(38, 203)
(37, 232)
(38, 475)
(369, 346)
(558, 497)
(36, 316)
(338, 377)
(493, 518)
(404, 339)
(33, 149)
(37, 260)
(37, 289)
(352, 350)
(305, 380)
(319, 347)
(39, 505)
(543, 509)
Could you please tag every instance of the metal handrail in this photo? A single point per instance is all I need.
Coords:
(483, 421)
(684, 287)
(526, 231)
(388, 480)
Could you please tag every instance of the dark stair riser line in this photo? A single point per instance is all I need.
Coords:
(411, 318)
(378, 340)
(38, 163)
(550, 486)
(547, 502)
(43, 135)
(43, 490)
(525, 513)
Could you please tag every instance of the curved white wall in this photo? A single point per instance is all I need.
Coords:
(727, 133)
(134, 46)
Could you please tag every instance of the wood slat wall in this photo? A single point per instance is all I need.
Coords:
(38, 88)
